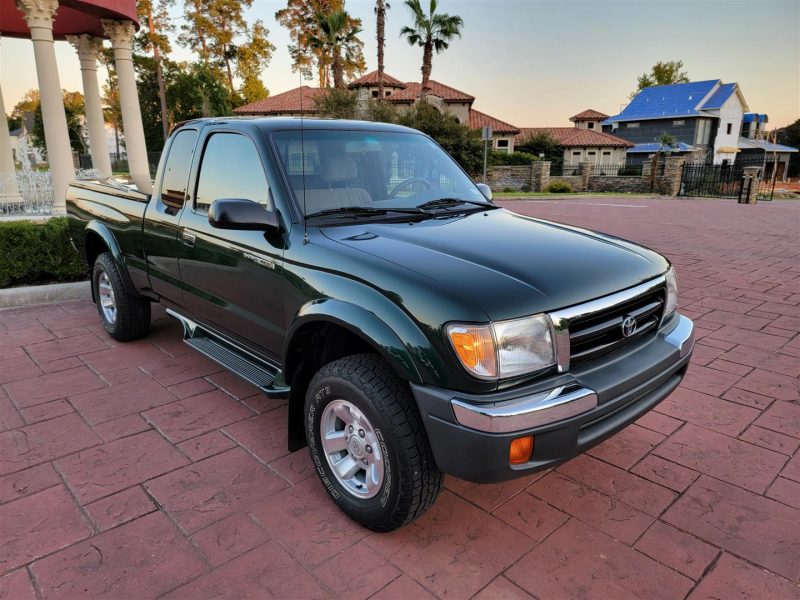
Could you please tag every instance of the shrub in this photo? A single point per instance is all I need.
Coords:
(34, 253)
(463, 144)
(525, 188)
(498, 158)
(558, 187)
(508, 190)
(337, 103)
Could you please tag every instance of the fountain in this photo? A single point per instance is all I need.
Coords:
(35, 187)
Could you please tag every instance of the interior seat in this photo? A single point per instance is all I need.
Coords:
(337, 172)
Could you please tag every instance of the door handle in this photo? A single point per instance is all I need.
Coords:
(189, 238)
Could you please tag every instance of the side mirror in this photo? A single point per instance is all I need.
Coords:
(240, 214)
(485, 190)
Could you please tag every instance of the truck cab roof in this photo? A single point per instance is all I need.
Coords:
(269, 124)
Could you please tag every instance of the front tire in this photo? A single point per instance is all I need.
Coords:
(368, 443)
(125, 317)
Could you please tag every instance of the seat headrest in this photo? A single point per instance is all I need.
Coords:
(339, 169)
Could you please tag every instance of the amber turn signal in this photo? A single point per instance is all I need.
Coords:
(520, 451)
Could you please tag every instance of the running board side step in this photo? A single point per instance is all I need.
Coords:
(262, 375)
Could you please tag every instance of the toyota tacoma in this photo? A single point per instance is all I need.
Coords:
(415, 327)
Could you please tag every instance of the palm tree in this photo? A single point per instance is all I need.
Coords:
(432, 32)
(336, 32)
(381, 6)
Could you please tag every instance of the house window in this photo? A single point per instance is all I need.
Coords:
(631, 125)
(590, 125)
(375, 93)
(502, 143)
(387, 93)
(730, 128)
(607, 153)
(591, 153)
(678, 123)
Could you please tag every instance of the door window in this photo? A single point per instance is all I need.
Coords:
(176, 170)
(231, 168)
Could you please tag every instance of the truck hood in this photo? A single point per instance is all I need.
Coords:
(508, 264)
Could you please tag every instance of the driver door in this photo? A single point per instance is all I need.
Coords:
(232, 279)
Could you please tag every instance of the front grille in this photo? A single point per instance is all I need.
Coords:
(600, 332)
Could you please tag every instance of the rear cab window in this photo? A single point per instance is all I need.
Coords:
(176, 169)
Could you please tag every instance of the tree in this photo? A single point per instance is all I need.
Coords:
(432, 32)
(218, 32)
(665, 141)
(790, 136)
(335, 34)
(463, 144)
(337, 103)
(153, 37)
(194, 91)
(381, 6)
(541, 142)
(251, 58)
(74, 111)
(148, 86)
(300, 18)
(662, 73)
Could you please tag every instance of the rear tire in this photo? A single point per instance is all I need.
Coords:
(125, 317)
(399, 479)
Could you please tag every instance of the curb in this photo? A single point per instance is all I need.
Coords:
(44, 294)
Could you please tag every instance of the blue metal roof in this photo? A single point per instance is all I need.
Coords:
(748, 144)
(719, 97)
(654, 147)
(665, 101)
(750, 117)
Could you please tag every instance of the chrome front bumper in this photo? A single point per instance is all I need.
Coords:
(544, 408)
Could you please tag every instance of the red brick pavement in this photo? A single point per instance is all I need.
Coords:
(141, 470)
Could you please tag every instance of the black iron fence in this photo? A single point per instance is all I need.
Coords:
(119, 162)
(727, 180)
(618, 170)
(563, 170)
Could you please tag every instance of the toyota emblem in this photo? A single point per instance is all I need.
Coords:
(628, 326)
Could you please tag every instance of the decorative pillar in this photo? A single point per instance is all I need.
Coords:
(540, 175)
(673, 173)
(39, 17)
(9, 192)
(752, 180)
(87, 48)
(121, 35)
(585, 170)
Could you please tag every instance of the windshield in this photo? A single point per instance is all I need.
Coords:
(369, 170)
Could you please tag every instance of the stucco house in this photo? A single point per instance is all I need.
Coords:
(584, 142)
(300, 100)
(709, 119)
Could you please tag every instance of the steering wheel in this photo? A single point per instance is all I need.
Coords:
(407, 182)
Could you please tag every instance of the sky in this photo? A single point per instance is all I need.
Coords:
(538, 62)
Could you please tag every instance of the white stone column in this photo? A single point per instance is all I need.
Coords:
(87, 48)
(39, 17)
(121, 35)
(9, 192)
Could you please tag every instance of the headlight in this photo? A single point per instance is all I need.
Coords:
(504, 349)
(672, 293)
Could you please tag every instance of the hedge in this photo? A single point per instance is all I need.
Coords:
(38, 253)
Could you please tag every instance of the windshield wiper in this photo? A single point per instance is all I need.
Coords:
(356, 211)
(445, 202)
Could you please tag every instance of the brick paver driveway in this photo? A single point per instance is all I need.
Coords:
(141, 470)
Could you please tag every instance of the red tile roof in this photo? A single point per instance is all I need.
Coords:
(287, 102)
(478, 120)
(589, 115)
(445, 92)
(372, 79)
(572, 136)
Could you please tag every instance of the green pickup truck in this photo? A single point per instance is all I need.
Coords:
(415, 327)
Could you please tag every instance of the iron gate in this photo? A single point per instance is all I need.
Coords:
(705, 180)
